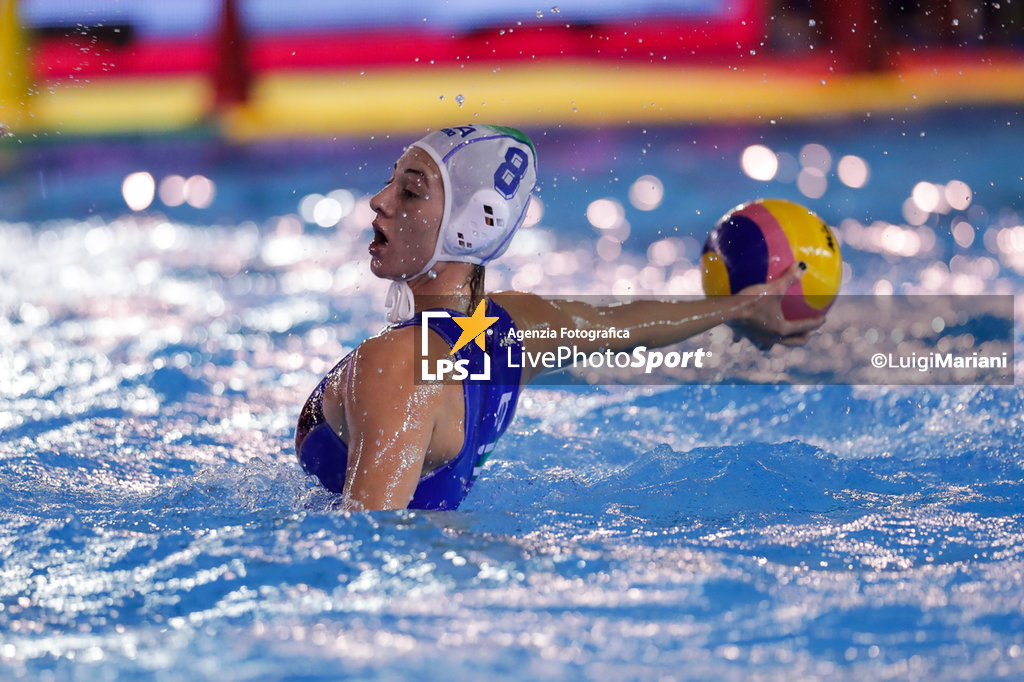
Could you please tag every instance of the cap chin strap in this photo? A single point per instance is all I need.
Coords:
(400, 302)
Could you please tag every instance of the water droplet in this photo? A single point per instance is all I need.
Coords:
(460, 100)
(812, 23)
(442, 98)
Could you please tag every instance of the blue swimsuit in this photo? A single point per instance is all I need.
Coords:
(489, 407)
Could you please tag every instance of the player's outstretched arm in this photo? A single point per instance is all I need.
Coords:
(755, 311)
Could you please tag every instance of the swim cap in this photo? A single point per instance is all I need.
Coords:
(488, 173)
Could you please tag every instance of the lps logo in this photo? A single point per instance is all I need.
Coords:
(457, 369)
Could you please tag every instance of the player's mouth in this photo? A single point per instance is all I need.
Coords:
(380, 240)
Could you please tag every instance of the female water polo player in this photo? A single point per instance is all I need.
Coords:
(384, 438)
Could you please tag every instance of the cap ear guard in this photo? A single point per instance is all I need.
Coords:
(481, 224)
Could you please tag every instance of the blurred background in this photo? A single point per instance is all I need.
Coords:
(313, 90)
(890, 119)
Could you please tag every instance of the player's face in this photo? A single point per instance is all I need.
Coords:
(409, 209)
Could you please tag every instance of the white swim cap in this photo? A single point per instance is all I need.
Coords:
(488, 174)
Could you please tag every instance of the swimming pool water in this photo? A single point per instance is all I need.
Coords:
(155, 524)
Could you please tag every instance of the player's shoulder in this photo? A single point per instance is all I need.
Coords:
(387, 355)
(398, 347)
(390, 339)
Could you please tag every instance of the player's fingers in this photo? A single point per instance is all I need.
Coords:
(795, 339)
(800, 327)
(788, 278)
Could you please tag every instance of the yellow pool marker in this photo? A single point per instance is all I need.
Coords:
(319, 103)
(587, 94)
(14, 77)
(125, 104)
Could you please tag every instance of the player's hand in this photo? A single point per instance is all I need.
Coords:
(763, 322)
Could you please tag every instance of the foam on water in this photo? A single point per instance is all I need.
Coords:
(155, 523)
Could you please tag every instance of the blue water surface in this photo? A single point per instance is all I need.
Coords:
(154, 523)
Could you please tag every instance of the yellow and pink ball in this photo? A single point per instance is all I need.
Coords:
(756, 242)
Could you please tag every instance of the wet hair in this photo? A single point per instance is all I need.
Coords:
(476, 286)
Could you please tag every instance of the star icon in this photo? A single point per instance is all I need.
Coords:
(473, 328)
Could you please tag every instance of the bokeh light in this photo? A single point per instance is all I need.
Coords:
(199, 191)
(646, 193)
(327, 212)
(963, 233)
(172, 190)
(958, 194)
(138, 190)
(534, 212)
(926, 196)
(664, 252)
(812, 182)
(346, 200)
(307, 205)
(165, 236)
(900, 241)
(886, 238)
(814, 155)
(605, 214)
(759, 162)
(913, 213)
(852, 171)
